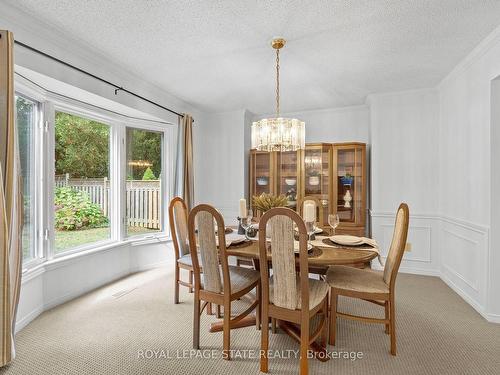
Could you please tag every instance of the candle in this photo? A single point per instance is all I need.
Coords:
(243, 207)
(309, 212)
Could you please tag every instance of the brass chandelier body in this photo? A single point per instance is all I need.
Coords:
(278, 133)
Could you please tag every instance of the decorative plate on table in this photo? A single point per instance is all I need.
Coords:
(347, 240)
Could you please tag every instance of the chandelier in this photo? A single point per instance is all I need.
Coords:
(278, 133)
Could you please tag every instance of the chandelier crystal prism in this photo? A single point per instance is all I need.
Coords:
(278, 133)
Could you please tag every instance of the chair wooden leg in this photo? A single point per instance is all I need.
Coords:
(209, 308)
(324, 332)
(387, 316)
(258, 308)
(264, 340)
(191, 280)
(304, 346)
(218, 313)
(196, 323)
(226, 342)
(273, 325)
(333, 317)
(176, 286)
(392, 315)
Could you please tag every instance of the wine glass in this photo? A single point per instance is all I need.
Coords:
(246, 222)
(333, 221)
(310, 227)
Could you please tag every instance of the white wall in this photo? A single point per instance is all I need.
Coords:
(222, 146)
(345, 124)
(220, 161)
(405, 168)
(469, 201)
(61, 280)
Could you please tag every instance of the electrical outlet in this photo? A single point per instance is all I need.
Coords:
(408, 246)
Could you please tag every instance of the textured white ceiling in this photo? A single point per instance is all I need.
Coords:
(216, 54)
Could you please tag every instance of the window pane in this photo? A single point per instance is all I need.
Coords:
(26, 117)
(82, 186)
(143, 196)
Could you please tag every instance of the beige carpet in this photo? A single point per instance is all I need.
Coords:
(105, 332)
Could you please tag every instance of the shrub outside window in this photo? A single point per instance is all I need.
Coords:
(82, 186)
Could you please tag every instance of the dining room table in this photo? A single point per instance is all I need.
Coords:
(324, 253)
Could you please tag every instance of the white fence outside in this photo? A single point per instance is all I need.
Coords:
(143, 198)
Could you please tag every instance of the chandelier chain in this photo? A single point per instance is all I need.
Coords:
(277, 83)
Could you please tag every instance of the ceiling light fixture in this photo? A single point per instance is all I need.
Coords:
(278, 133)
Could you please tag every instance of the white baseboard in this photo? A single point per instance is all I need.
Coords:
(492, 318)
(410, 270)
(20, 324)
(476, 306)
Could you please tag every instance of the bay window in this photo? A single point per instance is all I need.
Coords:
(92, 177)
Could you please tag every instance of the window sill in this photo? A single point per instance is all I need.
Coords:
(161, 237)
(63, 260)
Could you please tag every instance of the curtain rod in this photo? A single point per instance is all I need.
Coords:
(117, 88)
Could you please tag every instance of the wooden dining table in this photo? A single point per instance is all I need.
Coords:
(320, 257)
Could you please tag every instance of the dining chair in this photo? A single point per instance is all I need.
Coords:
(178, 215)
(377, 287)
(221, 284)
(289, 296)
(319, 209)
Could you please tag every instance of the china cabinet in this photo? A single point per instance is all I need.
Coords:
(276, 173)
(261, 172)
(335, 174)
(288, 175)
(349, 186)
(316, 175)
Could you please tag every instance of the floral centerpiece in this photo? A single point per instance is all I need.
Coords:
(265, 202)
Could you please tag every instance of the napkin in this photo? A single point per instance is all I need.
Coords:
(232, 239)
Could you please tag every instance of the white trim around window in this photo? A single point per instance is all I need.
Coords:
(44, 147)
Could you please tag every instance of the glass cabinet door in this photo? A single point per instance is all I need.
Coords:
(317, 172)
(350, 190)
(288, 176)
(260, 169)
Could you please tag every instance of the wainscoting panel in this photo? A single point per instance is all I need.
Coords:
(464, 258)
(423, 237)
(454, 250)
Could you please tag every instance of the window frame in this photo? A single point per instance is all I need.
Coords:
(49, 102)
(165, 190)
(71, 109)
(36, 169)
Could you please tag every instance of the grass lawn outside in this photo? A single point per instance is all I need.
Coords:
(67, 240)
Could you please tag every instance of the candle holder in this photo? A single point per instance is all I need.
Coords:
(240, 228)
